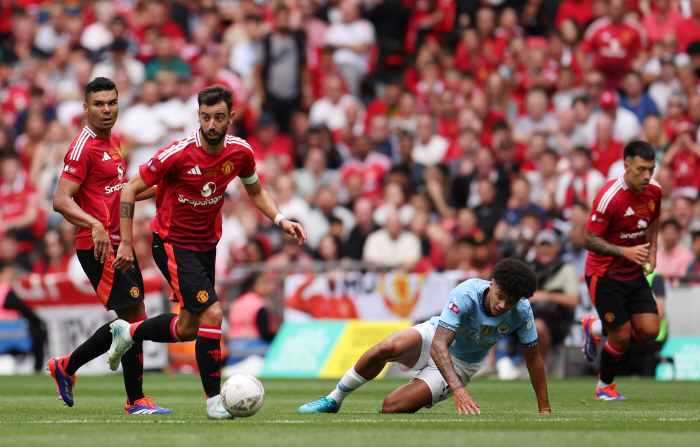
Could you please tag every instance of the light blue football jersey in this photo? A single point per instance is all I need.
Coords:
(478, 332)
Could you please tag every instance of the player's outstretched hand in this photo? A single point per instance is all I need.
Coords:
(464, 402)
(639, 254)
(125, 258)
(103, 246)
(295, 229)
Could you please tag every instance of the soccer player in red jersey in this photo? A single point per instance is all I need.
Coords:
(192, 176)
(88, 196)
(621, 239)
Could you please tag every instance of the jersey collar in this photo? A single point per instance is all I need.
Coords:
(622, 182)
(197, 140)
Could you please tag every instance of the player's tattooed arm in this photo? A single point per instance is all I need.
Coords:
(126, 210)
(535, 367)
(441, 356)
(600, 246)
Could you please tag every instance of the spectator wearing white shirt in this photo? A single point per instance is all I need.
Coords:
(98, 35)
(143, 135)
(392, 246)
(537, 118)
(667, 84)
(331, 109)
(121, 60)
(351, 39)
(429, 148)
(179, 113)
(626, 125)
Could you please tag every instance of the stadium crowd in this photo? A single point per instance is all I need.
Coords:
(418, 135)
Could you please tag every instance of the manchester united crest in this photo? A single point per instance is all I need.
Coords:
(202, 296)
(135, 292)
(227, 167)
(652, 205)
(609, 317)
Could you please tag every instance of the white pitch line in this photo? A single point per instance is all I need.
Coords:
(357, 421)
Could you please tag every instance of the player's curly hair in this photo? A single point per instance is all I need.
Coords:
(515, 278)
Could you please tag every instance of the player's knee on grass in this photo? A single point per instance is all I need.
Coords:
(394, 404)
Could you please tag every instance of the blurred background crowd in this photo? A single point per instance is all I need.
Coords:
(418, 135)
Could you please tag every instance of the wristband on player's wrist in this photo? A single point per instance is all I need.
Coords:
(278, 219)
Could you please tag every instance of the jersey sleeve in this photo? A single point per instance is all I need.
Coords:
(76, 163)
(248, 174)
(599, 221)
(456, 308)
(527, 332)
(163, 162)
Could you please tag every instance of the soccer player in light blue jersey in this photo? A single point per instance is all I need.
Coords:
(448, 350)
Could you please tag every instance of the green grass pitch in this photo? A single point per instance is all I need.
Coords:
(657, 414)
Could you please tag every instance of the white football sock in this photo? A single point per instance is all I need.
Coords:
(127, 335)
(349, 383)
(597, 328)
(602, 384)
(211, 400)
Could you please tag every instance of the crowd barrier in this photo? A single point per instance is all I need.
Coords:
(319, 336)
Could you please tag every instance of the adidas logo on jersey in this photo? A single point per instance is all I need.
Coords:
(195, 171)
(106, 157)
(629, 212)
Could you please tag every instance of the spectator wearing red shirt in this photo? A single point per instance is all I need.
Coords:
(675, 114)
(269, 141)
(661, 21)
(683, 157)
(470, 56)
(493, 46)
(53, 257)
(19, 204)
(386, 105)
(689, 29)
(580, 11)
(605, 150)
(372, 166)
(614, 43)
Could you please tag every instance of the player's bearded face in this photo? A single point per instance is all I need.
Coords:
(213, 122)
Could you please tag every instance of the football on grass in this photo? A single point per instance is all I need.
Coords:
(243, 395)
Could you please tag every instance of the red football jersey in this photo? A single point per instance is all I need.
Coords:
(373, 172)
(621, 218)
(98, 167)
(604, 158)
(191, 185)
(614, 47)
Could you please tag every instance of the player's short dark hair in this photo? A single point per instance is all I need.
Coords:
(515, 278)
(640, 149)
(99, 84)
(215, 94)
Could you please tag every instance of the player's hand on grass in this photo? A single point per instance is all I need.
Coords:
(103, 246)
(464, 402)
(639, 254)
(295, 229)
(125, 258)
